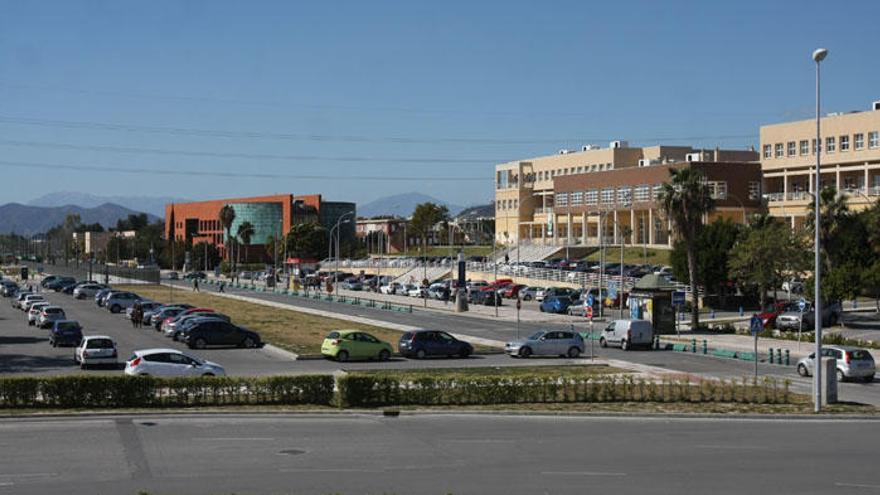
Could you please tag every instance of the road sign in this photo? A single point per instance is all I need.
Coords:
(518, 303)
(756, 325)
(612, 290)
(802, 305)
(589, 301)
(678, 298)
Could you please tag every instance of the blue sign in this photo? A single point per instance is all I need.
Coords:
(756, 325)
(802, 305)
(612, 290)
(590, 299)
(678, 298)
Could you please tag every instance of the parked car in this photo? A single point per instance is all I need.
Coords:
(343, 345)
(101, 295)
(791, 319)
(417, 291)
(8, 288)
(512, 291)
(145, 305)
(852, 362)
(30, 301)
(793, 286)
(171, 327)
(33, 314)
(95, 349)
(65, 332)
(352, 284)
(219, 332)
(423, 343)
(118, 301)
(487, 296)
(178, 331)
(49, 315)
(547, 343)
(164, 312)
(773, 310)
(47, 280)
(529, 293)
(170, 362)
(19, 298)
(173, 276)
(556, 304)
(201, 275)
(628, 334)
(87, 290)
(67, 287)
(391, 288)
(58, 283)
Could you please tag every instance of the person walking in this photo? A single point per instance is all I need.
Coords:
(222, 287)
(134, 314)
(195, 284)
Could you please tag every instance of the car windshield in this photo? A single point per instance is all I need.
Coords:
(536, 335)
(100, 344)
(860, 354)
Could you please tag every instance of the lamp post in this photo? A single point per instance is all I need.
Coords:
(341, 220)
(818, 56)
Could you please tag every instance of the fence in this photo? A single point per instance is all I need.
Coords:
(98, 272)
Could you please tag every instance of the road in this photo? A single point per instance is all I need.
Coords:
(433, 454)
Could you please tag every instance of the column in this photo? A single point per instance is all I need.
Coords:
(584, 231)
(616, 230)
(632, 227)
(810, 180)
(785, 185)
(837, 177)
(669, 232)
(650, 226)
(866, 185)
(568, 228)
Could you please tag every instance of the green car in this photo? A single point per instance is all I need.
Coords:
(343, 345)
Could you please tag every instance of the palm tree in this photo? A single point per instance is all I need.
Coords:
(686, 200)
(834, 210)
(245, 233)
(226, 217)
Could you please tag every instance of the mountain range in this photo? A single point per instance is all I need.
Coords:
(402, 205)
(28, 220)
(154, 205)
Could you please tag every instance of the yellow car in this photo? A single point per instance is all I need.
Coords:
(343, 345)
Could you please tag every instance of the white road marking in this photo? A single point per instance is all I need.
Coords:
(235, 439)
(858, 485)
(580, 473)
(732, 447)
(339, 470)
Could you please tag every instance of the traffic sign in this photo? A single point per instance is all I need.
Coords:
(756, 325)
(678, 298)
(518, 303)
(589, 301)
(802, 305)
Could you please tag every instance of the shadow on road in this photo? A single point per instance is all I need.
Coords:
(22, 340)
(21, 363)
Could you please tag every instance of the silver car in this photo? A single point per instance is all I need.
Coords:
(120, 300)
(87, 290)
(547, 343)
(49, 315)
(852, 362)
(95, 349)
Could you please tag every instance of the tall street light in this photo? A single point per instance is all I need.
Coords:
(341, 220)
(818, 56)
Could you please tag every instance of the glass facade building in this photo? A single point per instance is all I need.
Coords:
(266, 219)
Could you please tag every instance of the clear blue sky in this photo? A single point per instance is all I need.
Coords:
(350, 90)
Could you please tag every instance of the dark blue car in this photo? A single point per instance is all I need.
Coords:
(65, 332)
(423, 343)
(556, 304)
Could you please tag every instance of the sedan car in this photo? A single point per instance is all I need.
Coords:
(170, 362)
(33, 314)
(390, 289)
(352, 284)
(556, 304)
(547, 343)
(117, 301)
(65, 332)
(95, 349)
(529, 293)
(852, 362)
(343, 345)
(145, 306)
(791, 320)
(87, 290)
(423, 343)
(217, 332)
(49, 315)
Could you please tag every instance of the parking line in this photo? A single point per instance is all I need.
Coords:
(580, 473)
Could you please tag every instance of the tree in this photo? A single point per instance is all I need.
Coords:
(135, 222)
(767, 254)
(246, 233)
(425, 217)
(226, 217)
(685, 200)
(712, 245)
(198, 255)
(307, 240)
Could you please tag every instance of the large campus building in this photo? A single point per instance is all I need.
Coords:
(850, 161)
(270, 216)
(575, 196)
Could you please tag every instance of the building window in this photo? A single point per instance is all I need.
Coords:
(643, 193)
(755, 188)
(859, 141)
(768, 151)
(658, 190)
(873, 140)
(844, 143)
(624, 195)
(608, 196)
(591, 197)
(717, 189)
(830, 145)
(577, 198)
(792, 148)
(805, 147)
(562, 199)
(780, 150)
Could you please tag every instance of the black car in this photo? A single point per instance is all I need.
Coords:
(194, 275)
(59, 283)
(486, 296)
(49, 279)
(219, 332)
(65, 332)
(424, 343)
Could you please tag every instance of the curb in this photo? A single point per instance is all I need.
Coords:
(281, 352)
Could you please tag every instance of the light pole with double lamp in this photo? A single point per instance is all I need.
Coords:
(341, 220)
(818, 56)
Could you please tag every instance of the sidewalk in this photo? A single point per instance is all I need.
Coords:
(742, 343)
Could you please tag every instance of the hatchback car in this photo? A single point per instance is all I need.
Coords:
(556, 304)
(117, 301)
(33, 314)
(50, 314)
(547, 343)
(343, 345)
(87, 290)
(95, 349)
(218, 332)
(65, 332)
(170, 362)
(28, 301)
(852, 362)
(423, 343)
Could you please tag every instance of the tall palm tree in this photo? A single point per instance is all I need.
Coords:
(245, 233)
(685, 200)
(834, 210)
(226, 217)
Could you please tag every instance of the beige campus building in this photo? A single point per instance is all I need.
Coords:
(597, 194)
(850, 161)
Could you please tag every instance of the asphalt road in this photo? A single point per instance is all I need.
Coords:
(435, 454)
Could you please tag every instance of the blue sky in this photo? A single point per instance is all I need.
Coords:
(332, 97)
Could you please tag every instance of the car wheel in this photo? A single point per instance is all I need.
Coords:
(525, 352)
(200, 344)
(840, 376)
(802, 370)
(526, 298)
(574, 352)
(115, 308)
(54, 344)
(342, 356)
(603, 343)
(384, 355)
(421, 354)
(83, 366)
(624, 345)
(249, 343)
(464, 352)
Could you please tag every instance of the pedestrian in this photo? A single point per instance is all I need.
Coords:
(222, 286)
(196, 284)
(134, 314)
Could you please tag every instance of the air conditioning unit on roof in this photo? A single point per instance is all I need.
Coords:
(876, 105)
(618, 144)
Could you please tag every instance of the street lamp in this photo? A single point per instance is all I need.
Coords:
(341, 220)
(818, 56)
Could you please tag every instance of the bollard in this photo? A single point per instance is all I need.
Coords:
(740, 310)
(694, 345)
(705, 347)
(787, 358)
(770, 355)
(656, 342)
(779, 356)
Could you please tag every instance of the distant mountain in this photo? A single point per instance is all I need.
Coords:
(402, 205)
(28, 220)
(154, 205)
(474, 212)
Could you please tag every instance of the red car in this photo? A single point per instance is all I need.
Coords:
(768, 316)
(512, 291)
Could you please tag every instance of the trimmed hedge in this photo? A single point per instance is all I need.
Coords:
(147, 391)
(375, 391)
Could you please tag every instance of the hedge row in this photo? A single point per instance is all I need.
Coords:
(373, 390)
(370, 391)
(141, 391)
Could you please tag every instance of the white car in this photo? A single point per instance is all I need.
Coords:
(18, 298)
(391, 288)
(416, 291)
(87, 290)
(25, 303)
(33, 314)
(170, 362)
(95, 349)
(49, 315)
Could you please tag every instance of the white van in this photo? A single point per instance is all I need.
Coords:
(628, 334)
